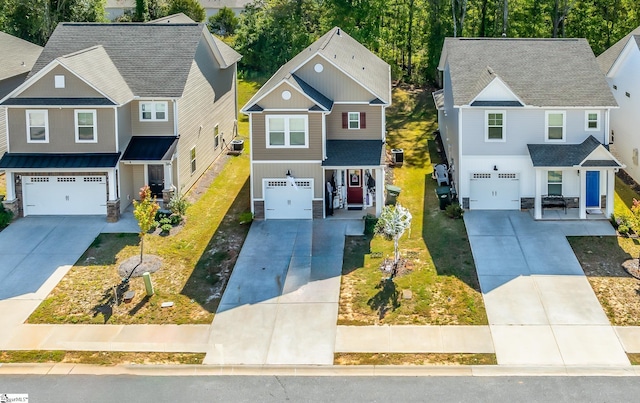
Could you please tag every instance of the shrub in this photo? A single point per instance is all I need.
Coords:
(370, 222)
(175, 219)
(178, 204)
(623, 229)
(454, 211)
(5, 216)
(623, 223)
(246, 217)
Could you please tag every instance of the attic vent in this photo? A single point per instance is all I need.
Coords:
(58, 81)
(338, 32)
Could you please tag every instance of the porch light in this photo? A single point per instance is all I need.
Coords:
(288, 174)
(495, 167)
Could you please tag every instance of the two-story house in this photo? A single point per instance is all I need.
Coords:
(109, 108)
(523, 119)
(318, 132)
(621, 66)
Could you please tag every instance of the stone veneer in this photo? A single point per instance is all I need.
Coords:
(167, 194)
(113, 210)
(258, 208)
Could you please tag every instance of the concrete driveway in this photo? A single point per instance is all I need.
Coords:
(541, 308)
(281, 303)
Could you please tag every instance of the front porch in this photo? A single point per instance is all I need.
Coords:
(558, 214)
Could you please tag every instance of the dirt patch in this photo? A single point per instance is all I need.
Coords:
(413, 359)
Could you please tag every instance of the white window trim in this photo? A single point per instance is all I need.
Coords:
(216, 136)
(153, 114)
(564, 126)
(46, 125)
(287, 137)
(193, 152)
(504, 126)
(349, 121)
(561, 183)
(95, 125)
(586, 121)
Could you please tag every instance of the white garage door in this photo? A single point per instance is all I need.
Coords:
(64, 195)
(494, 191)
(285, 200)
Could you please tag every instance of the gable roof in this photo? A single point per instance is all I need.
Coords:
(153, 59)
(569, 155)
(18, 55)
(540, 72)
(346, 54)
(609, 56)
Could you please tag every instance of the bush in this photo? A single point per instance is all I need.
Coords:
(370, 222)
(454, 211)
(178, 204)
(246, 217)
(5, 216)
(623, 223)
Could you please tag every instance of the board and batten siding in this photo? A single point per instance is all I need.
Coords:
(62, 137)
(127, 193)
(279, 170)
(259, 142)
(333, 83)
(3, 130)
(275, 100)
(139, 128)
(523, 126)
(373, 130)
(73, 87)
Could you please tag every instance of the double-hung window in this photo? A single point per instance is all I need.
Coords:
(192, 156)
(86, 129)
(216, 137)
(354, 120)
(37, 126)
(287, 131)
(592, 120)
(554, 183)
(154, 111)
(495, 124)
(556, 125)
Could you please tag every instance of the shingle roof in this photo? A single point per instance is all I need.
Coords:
(18, 56)
(150, 148)
(566, 155)
(347, 54)
(541, 72)
(153, 59)
(342, 153)
(609, 56)
(58, 101)
(14, 161)
(314, 94)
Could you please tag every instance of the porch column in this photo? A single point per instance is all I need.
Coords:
(537, 204)
(611, 183)
(11, 186)
(379, 190)
(583, 194)
(111, 181)
(168, 176)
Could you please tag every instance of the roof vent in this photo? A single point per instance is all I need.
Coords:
(338, 31)
(490, 70)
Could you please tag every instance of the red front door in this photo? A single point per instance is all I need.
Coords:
(354, 186)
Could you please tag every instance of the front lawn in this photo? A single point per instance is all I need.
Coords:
(442, 276)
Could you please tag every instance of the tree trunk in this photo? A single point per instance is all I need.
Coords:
(409, 39)
(483, 19)
(505, 17)
(141, 247)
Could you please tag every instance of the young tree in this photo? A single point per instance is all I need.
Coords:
(191, 8)
(393, 222)
(145, 212)
(142, 11)
(224, 23)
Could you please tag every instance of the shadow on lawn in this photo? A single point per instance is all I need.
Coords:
(214, 266)
(387, 298)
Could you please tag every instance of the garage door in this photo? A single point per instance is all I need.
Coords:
(494, 191)
(64, 195)
(288, 199)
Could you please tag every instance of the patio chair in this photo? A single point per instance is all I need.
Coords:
(442, 174)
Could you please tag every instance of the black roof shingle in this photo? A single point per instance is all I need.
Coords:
(567, 155)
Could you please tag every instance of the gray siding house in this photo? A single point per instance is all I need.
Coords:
(317, 132)
(526, 120)
(109, 108)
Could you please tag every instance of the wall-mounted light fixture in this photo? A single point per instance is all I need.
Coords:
(288, 173)
(495, 167)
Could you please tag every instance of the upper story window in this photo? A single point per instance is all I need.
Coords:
(354, 120)
(554, 183)
(287, 131)
(556, 125)
(153, 111)
(495, 125)
(58, 81)
(592, 120)
(216, 137)
(192, 156)
(37, 126)
(86, 128)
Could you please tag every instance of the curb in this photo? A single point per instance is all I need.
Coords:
(312, 370)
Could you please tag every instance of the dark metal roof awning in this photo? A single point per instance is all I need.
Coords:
(150, 148)
(57, 161)
(569, 155)
(345, 153)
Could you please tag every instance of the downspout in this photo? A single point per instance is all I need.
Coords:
(176, 180)
(251, 177)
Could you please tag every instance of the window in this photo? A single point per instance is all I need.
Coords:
(287, 131)
(555, 125)
(86, 126)
(554, 183)
(193, 160)
(354, 120)
(592, 120)
(37, 126)
(216, 137)
(153, 111)
(58, 81)
(495, 125)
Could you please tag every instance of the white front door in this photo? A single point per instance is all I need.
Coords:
(494, 191)
(284, 199)
(64, 195)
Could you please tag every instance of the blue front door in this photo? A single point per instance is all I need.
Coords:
(593, 189)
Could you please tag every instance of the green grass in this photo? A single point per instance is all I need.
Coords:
(443, 281)
(99, 357)
(624, 198)
(413, 359)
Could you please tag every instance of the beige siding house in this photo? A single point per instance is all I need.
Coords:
(103, 113)
(318, 133)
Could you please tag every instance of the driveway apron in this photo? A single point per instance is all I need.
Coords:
(281, 303)
(541, 307)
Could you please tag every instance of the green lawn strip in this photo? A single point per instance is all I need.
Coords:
(442, 278)
(99, 357)
(3, 184)
(634, 358)
(624, 198)
(413, 359)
